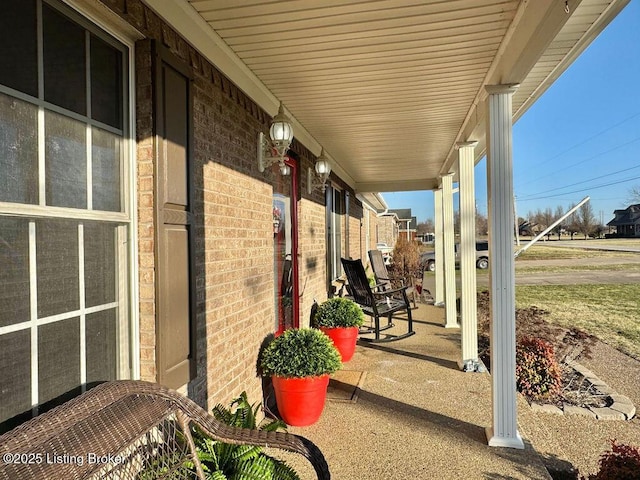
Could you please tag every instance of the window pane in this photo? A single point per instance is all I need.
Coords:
(106, 153)
(64, 62)
(66, 162)
(58, 359)
(57, 266)
(99, 264)
(18, 150)
(106, 83)
(19, 54)
(101, 346)
(15, 381)
(14, 271)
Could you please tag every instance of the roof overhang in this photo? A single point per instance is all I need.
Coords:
(389, 87)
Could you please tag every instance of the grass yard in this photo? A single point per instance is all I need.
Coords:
(549, 252)
(609, 312)
(633, 267)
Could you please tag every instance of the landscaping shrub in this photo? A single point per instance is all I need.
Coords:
(538, 374)
(338, 312)
(406, 258)
(622, 462)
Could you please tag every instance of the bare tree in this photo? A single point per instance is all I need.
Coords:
(571, 222)
(482, 224)
(586, 220)
(558, 228)
(425, 227)
(634, 194)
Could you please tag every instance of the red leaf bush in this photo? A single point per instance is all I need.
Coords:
(538, 375)
(622, 462)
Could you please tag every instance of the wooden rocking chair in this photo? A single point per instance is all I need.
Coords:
(386, 282)
(377, 304)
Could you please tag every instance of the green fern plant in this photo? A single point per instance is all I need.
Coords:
(223, 461)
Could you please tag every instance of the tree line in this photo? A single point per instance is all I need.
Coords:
(582, 221)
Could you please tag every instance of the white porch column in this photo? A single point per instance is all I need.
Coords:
(449, 253)
(504, 430)
(468, 297)
(439, 248)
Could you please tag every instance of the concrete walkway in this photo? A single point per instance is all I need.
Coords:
(417, 416)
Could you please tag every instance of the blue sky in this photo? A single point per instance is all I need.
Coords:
(582, 137)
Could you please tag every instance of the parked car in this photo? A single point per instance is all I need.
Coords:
(428, 259)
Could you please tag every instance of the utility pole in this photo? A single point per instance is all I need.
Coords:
(550, 227)
(515, 214)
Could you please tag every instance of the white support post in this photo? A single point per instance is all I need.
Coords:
(504, 430)
(468, 294)
(451, 314)
(439, 248)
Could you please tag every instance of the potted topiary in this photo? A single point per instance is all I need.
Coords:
(340, 318)
(299, 363)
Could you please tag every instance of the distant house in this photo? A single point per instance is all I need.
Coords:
(627, 221)
(407, 223)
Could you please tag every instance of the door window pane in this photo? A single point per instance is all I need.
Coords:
(106, 83)
(15, 381)
(14, 271)
(66, 161)
(106, 152)
(57, 266)
(99, 264)
(18, 150)
(101, 346)
(19, 54)
(64, 62)
(58, 360)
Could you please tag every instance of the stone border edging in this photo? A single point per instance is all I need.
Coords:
(622, 407)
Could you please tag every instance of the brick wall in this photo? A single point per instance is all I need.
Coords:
(313, 264)
(232, 221)
(356, 233)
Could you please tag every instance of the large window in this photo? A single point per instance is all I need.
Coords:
(336, 228)
(64, 214)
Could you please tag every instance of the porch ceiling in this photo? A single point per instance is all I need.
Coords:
(388, 87)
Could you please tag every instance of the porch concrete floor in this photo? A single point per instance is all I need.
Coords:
(417, 416)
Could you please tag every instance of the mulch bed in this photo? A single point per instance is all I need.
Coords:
(569, 344)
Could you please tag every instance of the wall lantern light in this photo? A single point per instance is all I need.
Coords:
(281, 133)
(322, 170)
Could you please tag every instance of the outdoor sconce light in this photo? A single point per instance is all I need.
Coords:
(323, 170)
(285, 170)
(270, 152)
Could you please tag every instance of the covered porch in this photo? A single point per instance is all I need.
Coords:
(405, 410)
(408, 95)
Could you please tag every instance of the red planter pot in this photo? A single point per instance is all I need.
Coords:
(344, 338)
(300, 400)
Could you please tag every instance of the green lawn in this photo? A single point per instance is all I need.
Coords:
(609, 312)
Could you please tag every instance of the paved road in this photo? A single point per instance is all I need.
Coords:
(601, 276)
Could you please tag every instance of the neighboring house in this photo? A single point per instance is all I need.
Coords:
(407, 223)
(388, 228)
(627, 221)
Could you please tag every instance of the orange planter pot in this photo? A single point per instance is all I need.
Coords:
(344, 338)
(300, 400)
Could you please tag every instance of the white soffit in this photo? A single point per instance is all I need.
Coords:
(388, 87)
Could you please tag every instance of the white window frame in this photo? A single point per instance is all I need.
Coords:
(126, 232)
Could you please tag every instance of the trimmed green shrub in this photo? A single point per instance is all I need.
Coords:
(622, 462)
(338, 312)
(300, 352)
(538, 374)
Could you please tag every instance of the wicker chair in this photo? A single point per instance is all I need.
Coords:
(125, 430)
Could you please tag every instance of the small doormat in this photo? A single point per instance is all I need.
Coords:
(345, 385)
